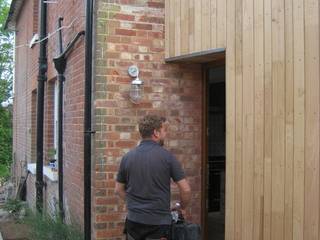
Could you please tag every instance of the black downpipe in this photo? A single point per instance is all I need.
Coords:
(87, 121)
(61, 79)
(40, 104)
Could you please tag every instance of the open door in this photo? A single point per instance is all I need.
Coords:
(214, 162)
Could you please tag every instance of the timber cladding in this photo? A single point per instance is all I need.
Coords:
(272, 89)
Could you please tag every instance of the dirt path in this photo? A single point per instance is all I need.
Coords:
(10, 229)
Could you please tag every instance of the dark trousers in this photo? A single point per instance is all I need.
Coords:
(139, 231)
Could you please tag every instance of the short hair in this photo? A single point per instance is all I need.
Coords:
(149, 123)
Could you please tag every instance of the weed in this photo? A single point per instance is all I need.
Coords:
(44, 226)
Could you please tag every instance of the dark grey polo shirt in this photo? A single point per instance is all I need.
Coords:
(146, 171)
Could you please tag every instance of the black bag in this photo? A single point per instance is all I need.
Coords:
(185, 231)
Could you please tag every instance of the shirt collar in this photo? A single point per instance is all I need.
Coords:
(147, 141)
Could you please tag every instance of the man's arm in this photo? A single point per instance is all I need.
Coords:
(185, 193)
(120, 190)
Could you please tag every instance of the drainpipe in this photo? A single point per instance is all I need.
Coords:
(40, 104)
(87, 121)
(61, 79)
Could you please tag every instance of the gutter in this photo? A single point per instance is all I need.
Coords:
(42, 78)
(87, 119)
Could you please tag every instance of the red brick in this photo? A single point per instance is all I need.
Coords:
(125, 32)
(107, 201)
(142, 26)
(108, 217)
(109, 233)
(126, 17)
(126, 144)
(156, 4)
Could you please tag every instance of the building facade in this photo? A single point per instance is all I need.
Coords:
(238, 81)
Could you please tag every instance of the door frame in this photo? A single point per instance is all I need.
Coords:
(204, 140)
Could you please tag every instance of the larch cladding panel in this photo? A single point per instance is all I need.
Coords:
(272, 84)
(195, 25)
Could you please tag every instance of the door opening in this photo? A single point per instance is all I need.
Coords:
(216, 156)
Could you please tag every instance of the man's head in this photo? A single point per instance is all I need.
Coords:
(153, 127)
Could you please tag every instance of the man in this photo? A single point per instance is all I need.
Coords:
(143, 180)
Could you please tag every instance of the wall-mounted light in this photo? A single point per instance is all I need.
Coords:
(136, 89)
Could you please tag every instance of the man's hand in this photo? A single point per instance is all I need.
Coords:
(185, 193)
(181, 212)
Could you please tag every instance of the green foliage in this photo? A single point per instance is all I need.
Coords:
(16, 208)
(51, 153)
(5, 138)
(6, 77)
(6, 56)
(4, 173)
(14, 205)
(43, 226)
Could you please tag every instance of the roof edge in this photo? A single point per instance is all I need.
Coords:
(14, 11)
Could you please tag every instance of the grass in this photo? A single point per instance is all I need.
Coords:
(43, 226)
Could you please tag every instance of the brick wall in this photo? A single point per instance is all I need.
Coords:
(132, 32)
(25, 79)
(72, 12)
(25, 105)
(33, 125)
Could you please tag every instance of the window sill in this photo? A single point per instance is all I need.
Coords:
(47, 171)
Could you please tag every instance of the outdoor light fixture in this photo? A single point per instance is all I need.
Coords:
(136, 89)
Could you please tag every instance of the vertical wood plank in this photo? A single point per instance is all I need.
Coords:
(278, 120)
(167, 28)
(221, 23)
(172, 31)
(184, 26)
(299, 118)
(231, 121)
(248, 120)
(288, 191)
(177, 21)
(213, 26)
(267, 121)
(198, 25)
(205, 25)
(191, 26)
(239, 95)
(311, 20)
(259, 119)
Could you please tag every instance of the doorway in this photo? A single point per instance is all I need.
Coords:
(215, 155)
